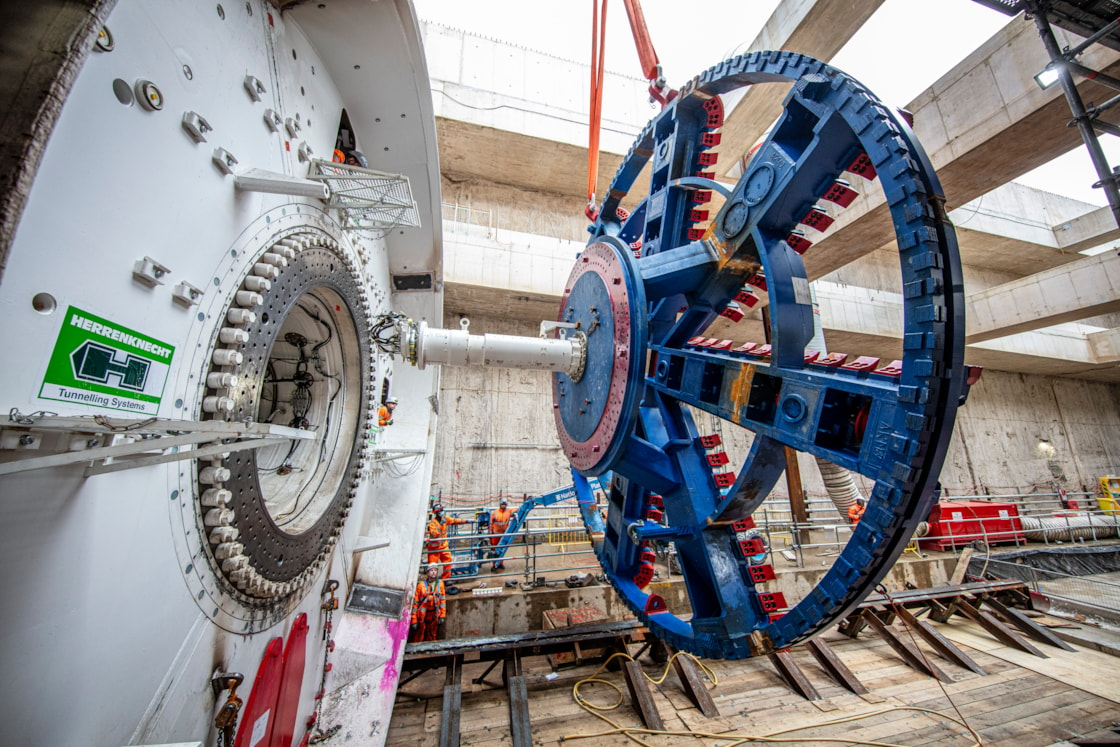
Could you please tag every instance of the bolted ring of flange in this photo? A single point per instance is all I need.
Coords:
(272, 515)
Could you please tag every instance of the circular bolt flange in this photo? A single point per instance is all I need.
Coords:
(149, 96)
(105, 41)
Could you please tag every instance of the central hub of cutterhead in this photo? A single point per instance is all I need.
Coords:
(605, 301)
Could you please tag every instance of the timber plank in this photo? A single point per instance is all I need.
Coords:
(1089, 670)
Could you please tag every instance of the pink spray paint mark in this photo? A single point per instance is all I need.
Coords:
(398, 630)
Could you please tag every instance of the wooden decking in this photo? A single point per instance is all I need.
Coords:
(1011, 704)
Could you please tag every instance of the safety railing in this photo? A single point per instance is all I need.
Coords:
(553, 543)
(1056, 585)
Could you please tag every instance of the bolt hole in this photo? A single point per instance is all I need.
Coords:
(302, 92)
(123, 91)
(44, 303)
(264, 318)
(294, 55)
(221, 12)
(249, 9)
(187, 72)
(357, 67)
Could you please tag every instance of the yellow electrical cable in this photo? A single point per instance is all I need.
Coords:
(772, 736)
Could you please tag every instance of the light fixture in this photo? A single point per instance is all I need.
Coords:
(1047, 77)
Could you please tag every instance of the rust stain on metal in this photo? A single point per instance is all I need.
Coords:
(741, 389)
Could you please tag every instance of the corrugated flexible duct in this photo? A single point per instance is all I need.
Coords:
(1072, 527)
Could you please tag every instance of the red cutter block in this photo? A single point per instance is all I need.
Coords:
(840, 193)
(758, 281)
(706, 174)
(695, 234)
(751, 547)
(746, 347)
(732, 312)
(696, 340)
(710, 139)
(763, 350)
(772, 601)
(649, 557)
(718, 459)
(832, 359)
(701, 195)
(698, 215)
(862, 363)
(655, 514)
(818, 218)
(743, 525)
(863, 166)
(655, 604)
(721, 345)
(714, 109)
(761, 573)
(812, 355)
(708, 159)
(710, 442)
(724, 479)
(798, 243)
(894, 368)
(746, 298)
(972, 374)
(656, 501)
(643, 576)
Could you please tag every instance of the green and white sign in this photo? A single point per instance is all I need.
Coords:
(103, 364)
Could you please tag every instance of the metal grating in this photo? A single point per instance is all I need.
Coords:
(366, 198)
(1082, 17)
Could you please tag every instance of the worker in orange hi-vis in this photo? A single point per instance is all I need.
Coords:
(855, 511)
(385, 412)
(429, 607)
(499, 522)
(438, 550)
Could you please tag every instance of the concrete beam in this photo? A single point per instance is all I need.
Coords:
(818, 28)
(1105, 345)
(983, 124)
(1087, 231)
(1073, 291)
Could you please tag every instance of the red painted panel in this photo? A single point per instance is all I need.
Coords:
(287, 703)
(255, 729)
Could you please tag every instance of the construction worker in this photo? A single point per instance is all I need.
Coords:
(438, 550)
(429, 607)
(385, 412)
(855, 511)
(499, 522)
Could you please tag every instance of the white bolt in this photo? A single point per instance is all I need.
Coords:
(241, 316)
(218, 535)
(242, 575)
(233, 336)
(266, 271)
(235, 564)
(221, 380)
(284, 251)
(217, 517)
(228, 550)
(225, 357)
(256, 283)
(211, 475)
(216, 497)
(248, 299)
(273, 258)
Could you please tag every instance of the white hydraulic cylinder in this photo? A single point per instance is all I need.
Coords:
(460, 348)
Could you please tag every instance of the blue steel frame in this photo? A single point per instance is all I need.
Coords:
(894, 430)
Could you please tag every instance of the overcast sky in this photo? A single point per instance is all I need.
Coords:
(906, 46)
